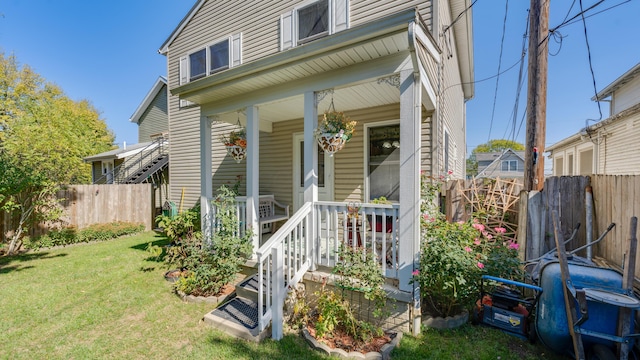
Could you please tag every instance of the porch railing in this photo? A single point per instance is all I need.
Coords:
(370, 227)
(282, 261)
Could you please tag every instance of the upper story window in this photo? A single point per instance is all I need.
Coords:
(312, 20)
(509, 165)
(217, 56)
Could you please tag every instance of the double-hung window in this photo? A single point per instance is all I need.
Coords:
(313, 20)
(211, 58)
(509, 165)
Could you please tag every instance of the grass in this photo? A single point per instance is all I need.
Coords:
(109, 300)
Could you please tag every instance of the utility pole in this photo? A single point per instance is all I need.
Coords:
(536, 95)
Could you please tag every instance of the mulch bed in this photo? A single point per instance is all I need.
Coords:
(341, 340)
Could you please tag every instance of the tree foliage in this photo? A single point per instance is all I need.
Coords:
(44, 137)
(498, 145)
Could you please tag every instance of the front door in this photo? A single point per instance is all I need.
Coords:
(325, 173)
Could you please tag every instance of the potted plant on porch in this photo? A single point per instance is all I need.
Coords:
(334, 131)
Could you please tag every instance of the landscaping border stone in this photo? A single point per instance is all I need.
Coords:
(384, 354)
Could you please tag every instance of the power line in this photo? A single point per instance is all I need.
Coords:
(495, 94)
(593, 76)
(521, 73)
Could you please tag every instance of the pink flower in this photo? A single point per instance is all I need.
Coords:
(513, 246)
(489, 236)
(467, 249)
(449, 172)
(480, 265)
(478, 227)
(415, 272)
(500, 230)
(476, 241)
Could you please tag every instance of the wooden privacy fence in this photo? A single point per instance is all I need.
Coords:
(616, 198)
(84, 205)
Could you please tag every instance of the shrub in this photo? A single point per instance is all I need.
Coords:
(71, 235)
(211, 264)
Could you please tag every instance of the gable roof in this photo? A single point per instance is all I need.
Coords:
(160, 83)
(498, 157)
(164, 48)
(618, 83)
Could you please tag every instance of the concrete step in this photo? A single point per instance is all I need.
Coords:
(239, 318)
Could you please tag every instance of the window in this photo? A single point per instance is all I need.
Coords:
(558, 163)
(197, 65)
(214, 57)
(313, 20)
(509, 165)
(383, 168)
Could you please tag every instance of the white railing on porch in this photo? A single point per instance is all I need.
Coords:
(282, 261)
(370, 227)
(285, 257)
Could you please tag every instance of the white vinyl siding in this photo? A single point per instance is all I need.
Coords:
(626, 96)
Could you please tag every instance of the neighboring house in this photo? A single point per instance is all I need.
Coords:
(611, 146)
(146, 161)
(503, 164)
(402, 69)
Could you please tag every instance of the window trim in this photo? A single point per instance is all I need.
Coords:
(339, 19)
(365, 160)
(207, 51)
(509, 165)
(296, 18)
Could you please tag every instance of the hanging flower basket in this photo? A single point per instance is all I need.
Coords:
(334, 131)
(238, 153)
(236, 144)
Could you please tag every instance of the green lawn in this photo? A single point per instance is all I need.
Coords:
(108, 300)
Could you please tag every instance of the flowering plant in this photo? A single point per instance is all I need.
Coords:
(455, 255)
(336, 122)
(235, 138)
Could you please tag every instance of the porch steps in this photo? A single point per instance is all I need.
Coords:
(239, 316)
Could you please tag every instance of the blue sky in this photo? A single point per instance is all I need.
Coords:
(107, 52)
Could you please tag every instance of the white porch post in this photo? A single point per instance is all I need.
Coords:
(311, 166)
(410, 121)
(253, 174)
(206, 187)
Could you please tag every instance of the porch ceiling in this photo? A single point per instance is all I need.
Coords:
(356, 58)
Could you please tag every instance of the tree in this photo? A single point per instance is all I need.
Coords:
(498, 145)
(495, 145)
(44, 137)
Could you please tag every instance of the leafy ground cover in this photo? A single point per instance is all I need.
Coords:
(109, 300)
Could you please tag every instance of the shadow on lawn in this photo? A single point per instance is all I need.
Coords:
(290, 347)
(7, 262)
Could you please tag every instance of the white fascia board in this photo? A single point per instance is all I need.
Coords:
(164, 48)
(160, 82)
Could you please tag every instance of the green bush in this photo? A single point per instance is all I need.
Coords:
(71, 235)
(209, 265)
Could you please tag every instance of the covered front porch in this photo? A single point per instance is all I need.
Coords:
(378, 75)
